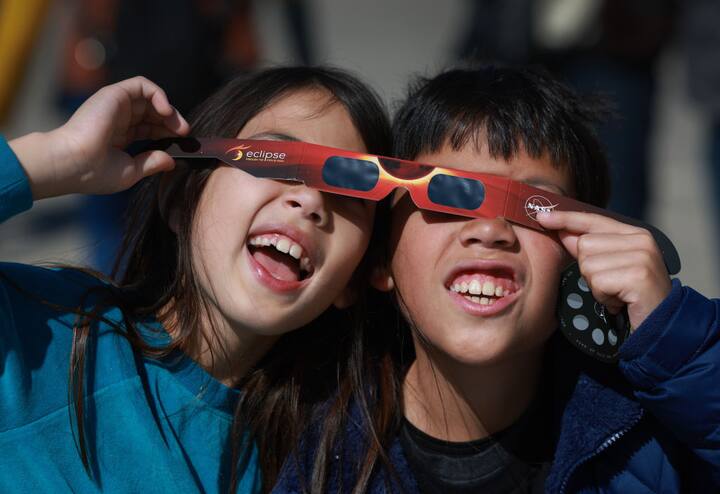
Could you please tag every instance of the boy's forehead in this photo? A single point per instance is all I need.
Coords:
(536, 171)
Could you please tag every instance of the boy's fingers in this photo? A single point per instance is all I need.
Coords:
(577, 222)
(620, 261)
(594, 243)
(570, 242)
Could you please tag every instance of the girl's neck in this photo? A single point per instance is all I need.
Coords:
(225, 352)
(457, 402)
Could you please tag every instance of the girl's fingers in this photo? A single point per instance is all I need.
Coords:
(152, 162)
(176, 123)
(149, 104)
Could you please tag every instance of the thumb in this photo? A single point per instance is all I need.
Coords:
(153, 162)
(569, 241)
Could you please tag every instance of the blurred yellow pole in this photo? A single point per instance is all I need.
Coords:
(20, 21)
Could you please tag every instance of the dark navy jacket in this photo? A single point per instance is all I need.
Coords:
(649, 425)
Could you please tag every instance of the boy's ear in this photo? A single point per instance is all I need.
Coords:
(381, 279)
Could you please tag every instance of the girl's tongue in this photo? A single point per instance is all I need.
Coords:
(279, 265)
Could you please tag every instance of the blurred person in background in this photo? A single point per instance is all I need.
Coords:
(701, 40)
(600, 46)
(187, 47)
(615, 52)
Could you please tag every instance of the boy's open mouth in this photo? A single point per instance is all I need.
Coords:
(281, 256)
(484, 288)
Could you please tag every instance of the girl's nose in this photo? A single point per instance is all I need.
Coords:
(309, 203)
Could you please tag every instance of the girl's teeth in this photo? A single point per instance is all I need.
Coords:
(484, 301)
(475, 287)
(283, 245)
(295, 251)
(498, 291)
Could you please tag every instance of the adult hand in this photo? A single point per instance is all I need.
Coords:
(621, 263)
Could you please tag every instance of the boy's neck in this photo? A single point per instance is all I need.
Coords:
(458, 402)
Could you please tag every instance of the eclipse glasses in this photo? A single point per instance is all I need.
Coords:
(366, 176)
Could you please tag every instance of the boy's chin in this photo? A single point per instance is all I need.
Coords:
(486, 352)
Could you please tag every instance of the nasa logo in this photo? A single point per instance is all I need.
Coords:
(538, 203)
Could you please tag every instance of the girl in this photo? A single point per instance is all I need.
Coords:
(485, 398)
(157, 362)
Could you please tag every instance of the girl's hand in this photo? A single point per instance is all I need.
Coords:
(86, 154)
(621, 263)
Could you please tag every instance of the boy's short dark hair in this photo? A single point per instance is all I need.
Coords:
(507, 107)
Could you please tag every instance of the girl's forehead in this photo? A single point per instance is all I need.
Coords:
(310, 115)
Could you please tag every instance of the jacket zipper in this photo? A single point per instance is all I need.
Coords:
(605, 445)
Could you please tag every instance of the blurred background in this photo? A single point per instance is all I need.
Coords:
(657, 60)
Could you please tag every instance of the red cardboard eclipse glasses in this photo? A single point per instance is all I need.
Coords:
(371, 177)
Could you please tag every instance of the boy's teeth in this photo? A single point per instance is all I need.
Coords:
(488, 288)
(474, 288)
(305, 264)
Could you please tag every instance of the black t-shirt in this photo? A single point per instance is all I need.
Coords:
(515, 460)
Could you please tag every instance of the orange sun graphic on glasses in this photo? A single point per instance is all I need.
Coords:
(238, 151)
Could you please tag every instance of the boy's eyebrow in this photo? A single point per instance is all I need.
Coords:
(539, 182)
(274, 136)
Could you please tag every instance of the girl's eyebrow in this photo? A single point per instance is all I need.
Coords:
(274, 136)
(539, 182)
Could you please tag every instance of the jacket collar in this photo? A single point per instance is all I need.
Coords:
(593, 406)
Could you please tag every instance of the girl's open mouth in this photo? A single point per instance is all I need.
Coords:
(283, 258)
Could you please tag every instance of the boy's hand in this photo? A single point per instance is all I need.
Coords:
(621, 263)
(86, 154)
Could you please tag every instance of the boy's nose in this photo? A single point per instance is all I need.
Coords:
(309, 203)
(489, 232)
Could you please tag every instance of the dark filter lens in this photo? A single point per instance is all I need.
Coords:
(456, 192)
(350, 173)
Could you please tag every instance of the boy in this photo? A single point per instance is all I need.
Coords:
(494, 401)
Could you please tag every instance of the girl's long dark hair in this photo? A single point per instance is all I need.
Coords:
(157, 279)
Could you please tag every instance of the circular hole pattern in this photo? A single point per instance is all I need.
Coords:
(582, 284)
(574, 300)
(581, 322)
(612, 337)
(598, 336)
